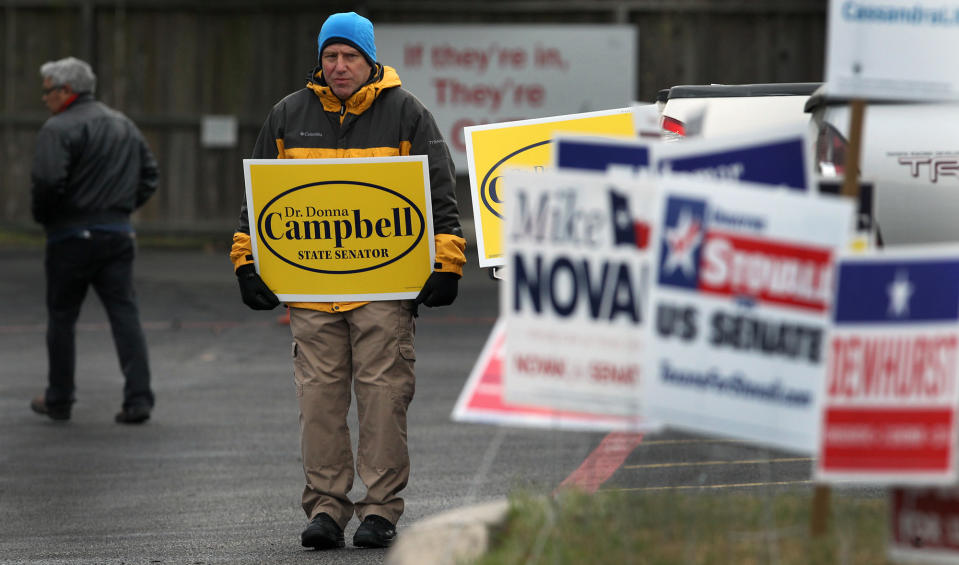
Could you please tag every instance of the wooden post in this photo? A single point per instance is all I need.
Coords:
(819, 516)
(850, 185)
(850, 188)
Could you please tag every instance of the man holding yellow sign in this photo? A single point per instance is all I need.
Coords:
(353, 107)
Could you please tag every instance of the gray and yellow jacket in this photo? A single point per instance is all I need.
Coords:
(379, 120)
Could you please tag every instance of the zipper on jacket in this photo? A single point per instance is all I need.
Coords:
(342, 111)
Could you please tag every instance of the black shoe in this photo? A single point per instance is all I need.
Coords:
(375, 531)
(322, 533)
(40, 406)
(133, 415)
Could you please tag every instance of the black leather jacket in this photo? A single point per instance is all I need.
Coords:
(92, 167)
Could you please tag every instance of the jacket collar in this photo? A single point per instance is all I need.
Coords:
(383, 78)
(75, 99)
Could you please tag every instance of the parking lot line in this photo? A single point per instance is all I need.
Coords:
(719, 486)
(704, 463)
(691, 441)
(605, 460)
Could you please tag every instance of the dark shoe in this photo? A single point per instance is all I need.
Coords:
(322, 533)
(40, 406)
(133, 415)
(375, 531)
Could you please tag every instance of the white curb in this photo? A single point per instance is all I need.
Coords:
(451, 537)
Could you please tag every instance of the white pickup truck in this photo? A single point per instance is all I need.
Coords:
(724, 109)
(909, 151)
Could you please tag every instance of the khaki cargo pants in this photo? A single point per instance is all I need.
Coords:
(370, 350)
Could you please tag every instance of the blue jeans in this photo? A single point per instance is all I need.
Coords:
(103, 260)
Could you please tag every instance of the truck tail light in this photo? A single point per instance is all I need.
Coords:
(673, 129)
(831, 152)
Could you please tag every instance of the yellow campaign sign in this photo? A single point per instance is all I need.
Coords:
(526, 144)
(341, 229)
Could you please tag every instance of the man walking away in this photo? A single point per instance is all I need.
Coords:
(92, 169)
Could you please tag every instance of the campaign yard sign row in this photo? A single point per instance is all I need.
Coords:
(753, 322)
(713, 307)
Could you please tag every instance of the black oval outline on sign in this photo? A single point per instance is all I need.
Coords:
(419, 236)
(496, 166)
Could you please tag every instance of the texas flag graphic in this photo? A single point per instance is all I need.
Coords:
(681, 242)
(626, 229)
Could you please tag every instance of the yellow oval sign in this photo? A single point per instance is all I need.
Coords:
(491, 187)
(340, 227)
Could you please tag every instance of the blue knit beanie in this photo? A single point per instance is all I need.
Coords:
(352, 29)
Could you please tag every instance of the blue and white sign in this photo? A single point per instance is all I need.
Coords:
(574, 294)
(595, 153)
(739, 308)
(893, 49)
(781, 158)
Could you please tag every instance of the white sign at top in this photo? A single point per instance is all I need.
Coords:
(893, 49)
(470, 75)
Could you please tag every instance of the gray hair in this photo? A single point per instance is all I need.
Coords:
(70, 71)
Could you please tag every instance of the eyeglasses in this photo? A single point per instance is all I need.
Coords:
(46, 91)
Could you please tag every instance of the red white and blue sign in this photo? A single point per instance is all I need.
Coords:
(892, 366)
(740, 304)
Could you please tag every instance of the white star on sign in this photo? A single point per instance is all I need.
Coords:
(900, 291)
(681, 241)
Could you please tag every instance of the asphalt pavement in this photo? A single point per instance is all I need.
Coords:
(215, 475)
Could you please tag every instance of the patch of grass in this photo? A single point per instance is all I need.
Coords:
(673, 527)
(17, 239)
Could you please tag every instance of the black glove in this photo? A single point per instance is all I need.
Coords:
(439, 290)
(255, 293)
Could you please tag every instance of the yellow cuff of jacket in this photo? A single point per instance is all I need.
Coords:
(242, 251)
(450, 253)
